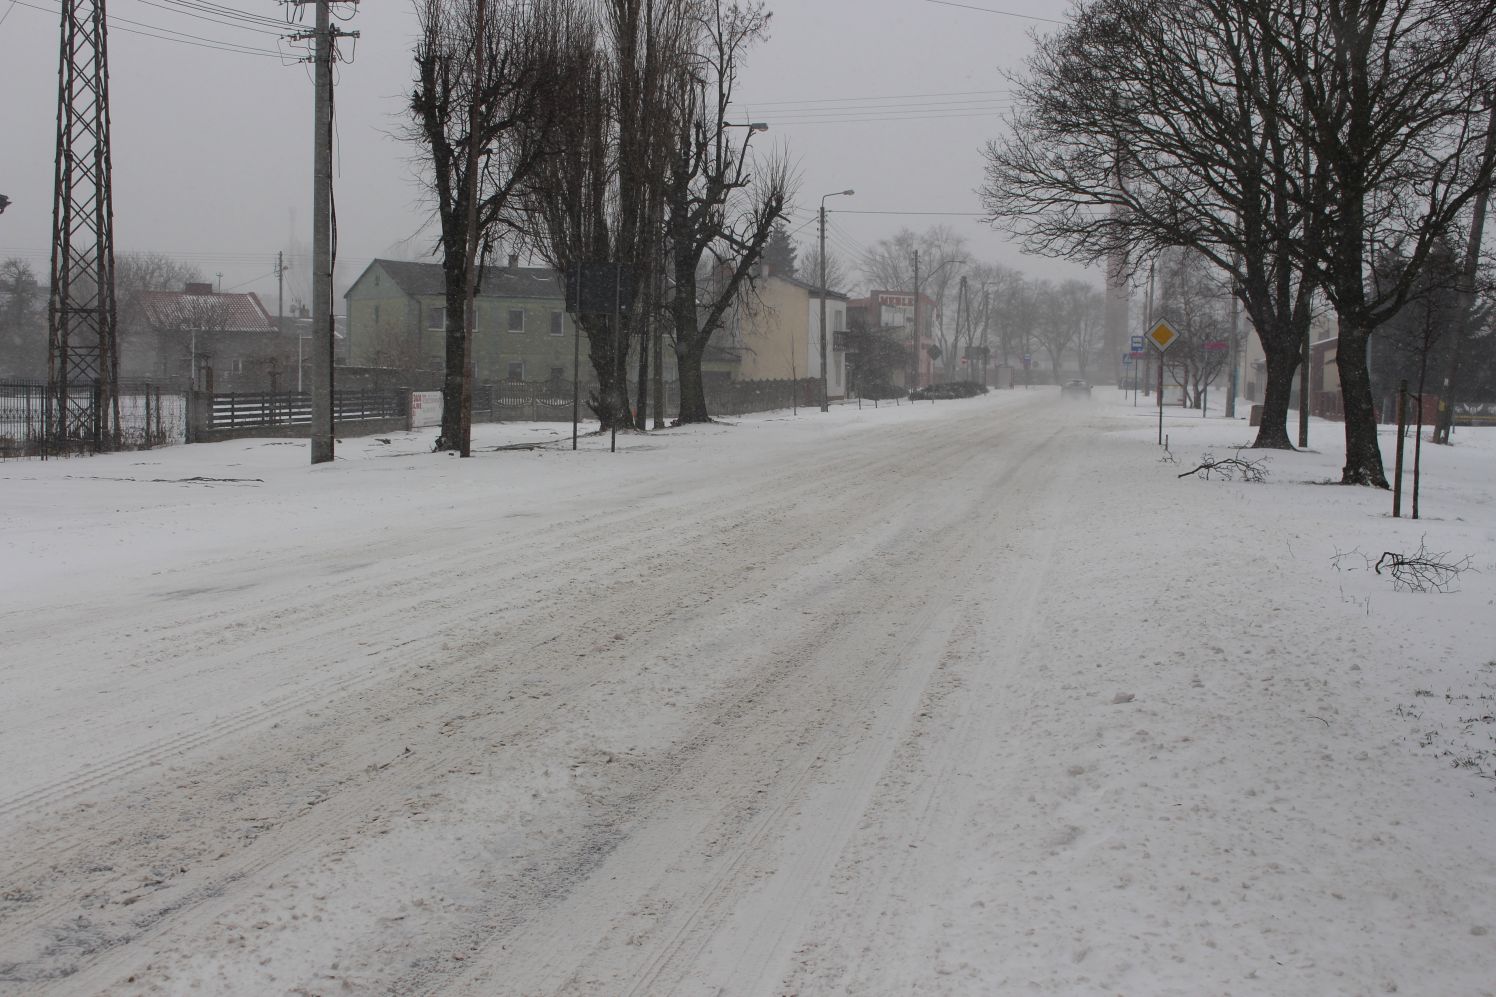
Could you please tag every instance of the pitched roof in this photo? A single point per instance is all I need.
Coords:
(494, 282)
(209, 312)
(814, 289)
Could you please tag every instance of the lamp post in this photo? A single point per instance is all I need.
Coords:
(825, 400)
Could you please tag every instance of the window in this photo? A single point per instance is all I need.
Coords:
(436, 318)
(376, 314)
(516, 320)
(517, 370)
(558, 324)
(558, 373)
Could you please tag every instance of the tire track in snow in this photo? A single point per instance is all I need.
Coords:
(536, 961)
(349, 803)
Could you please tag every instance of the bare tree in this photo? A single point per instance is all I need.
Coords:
(600, 198)
(838, 277)
(1051, 326)
(1084, 307)
(1147, 124)
(720, 202)
(1388, 98)
(1197, 305)
(487, 97)
(889, 266)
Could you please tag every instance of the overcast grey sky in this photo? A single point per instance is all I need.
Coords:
(212, 148)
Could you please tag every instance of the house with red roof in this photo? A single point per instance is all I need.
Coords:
(211, 340)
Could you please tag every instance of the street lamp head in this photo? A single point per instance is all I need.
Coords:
(849, 192)
(752, 126)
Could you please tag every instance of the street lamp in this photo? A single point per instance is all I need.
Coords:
(914, 380)
(825, 401)
(752, 126)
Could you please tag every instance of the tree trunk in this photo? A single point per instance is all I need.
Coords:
(611, 403)
(692, 390)
(1280, 348)
(456, 356)
(1363, 453)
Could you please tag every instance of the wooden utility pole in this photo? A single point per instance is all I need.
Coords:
(914, 375)
(322, 338)
(324, 38)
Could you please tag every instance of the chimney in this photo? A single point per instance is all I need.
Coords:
(513, 261)
(194, 288)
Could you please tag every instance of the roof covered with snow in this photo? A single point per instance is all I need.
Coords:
(206, 312)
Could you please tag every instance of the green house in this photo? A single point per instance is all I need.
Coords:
(397, 321)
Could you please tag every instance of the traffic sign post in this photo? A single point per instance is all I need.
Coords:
(1162, 336)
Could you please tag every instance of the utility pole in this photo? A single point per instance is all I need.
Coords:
(962, 308)
(1231, 385)
(324, 38)
(82, 353)
(986, 320)
(914, 376)
(825, 401)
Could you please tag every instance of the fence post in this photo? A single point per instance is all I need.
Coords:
(1402, 425)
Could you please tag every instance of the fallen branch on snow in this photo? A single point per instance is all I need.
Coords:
(1423, 570)
(1229, 468)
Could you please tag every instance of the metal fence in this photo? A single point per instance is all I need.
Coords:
(149, 416)
(256, 409)
(267, 409)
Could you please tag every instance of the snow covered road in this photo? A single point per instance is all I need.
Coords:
(941, 699)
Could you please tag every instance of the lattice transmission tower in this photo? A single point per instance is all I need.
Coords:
(83, 357)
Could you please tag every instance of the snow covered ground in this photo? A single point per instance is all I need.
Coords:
(975, 697)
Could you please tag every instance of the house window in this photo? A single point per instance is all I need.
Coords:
(517, 370)
(376, 314)
(558, 373)
(558, 324)
(516, 320)
(436, 318)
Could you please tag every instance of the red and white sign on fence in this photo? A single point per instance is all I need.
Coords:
(425, 409)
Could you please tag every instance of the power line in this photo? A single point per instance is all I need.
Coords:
(888, 113)
(219, 10)
(954, 214)
(989, 10)
(865, 98)
(265, 28)
(183, 38)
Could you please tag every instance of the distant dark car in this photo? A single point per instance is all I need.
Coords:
(1075, 389)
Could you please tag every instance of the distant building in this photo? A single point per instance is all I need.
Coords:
(892, 314)
(397, 319)
(222, 342)
(776, 332)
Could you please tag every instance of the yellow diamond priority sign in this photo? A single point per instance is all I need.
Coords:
(1162, 335)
